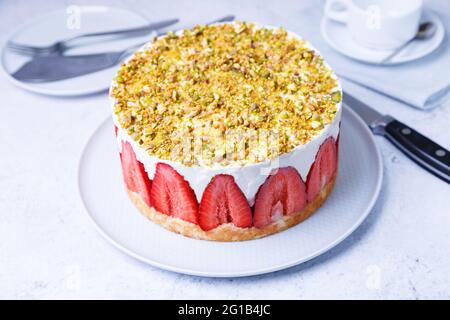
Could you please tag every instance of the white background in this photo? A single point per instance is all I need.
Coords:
(49, 248)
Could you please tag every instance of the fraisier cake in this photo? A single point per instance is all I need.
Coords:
(227, 132)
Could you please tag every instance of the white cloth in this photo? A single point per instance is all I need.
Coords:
(424, 83)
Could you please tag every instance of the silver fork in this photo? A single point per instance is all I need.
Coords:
(60, 47)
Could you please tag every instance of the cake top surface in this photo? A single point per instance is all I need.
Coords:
(224, 94)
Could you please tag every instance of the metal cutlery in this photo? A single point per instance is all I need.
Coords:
(60, 67)
(60, 47)
(419, 148)
(426, 31)
(227, 18)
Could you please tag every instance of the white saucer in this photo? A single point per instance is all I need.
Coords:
(46, 29)
(356, 190)
(338, 37)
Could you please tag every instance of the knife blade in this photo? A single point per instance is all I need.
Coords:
(428, 154)
(55, 68)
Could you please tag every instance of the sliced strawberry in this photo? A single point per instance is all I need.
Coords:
(136, 179)
(223, 202)
(337, 150)
(337, 145)
(172, 195)
(323, 169)
(283, 193)
(115, 130)
(313, 181)
(128, 159)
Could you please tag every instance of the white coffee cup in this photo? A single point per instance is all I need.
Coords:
(378, 24)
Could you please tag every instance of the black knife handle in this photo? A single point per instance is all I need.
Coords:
(419, 148)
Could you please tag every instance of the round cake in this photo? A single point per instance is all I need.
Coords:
(227, 132)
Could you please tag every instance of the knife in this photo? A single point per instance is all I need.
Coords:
(416, 146)
(54, 68)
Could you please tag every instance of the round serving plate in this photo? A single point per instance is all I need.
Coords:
(106, 201)
(59, 25)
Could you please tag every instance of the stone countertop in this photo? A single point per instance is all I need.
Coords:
(50, 249)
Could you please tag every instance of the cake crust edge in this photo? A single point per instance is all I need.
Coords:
(229, 232)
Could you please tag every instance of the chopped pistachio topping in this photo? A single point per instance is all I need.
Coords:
(224, 94)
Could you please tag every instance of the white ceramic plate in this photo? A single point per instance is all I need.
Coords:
(356, 190)
(58, 25)
(338, 37)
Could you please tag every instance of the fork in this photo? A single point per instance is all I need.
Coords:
(60, 47)
(60, 67)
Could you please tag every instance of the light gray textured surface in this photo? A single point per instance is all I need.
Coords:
(49, 249)
(119, 221)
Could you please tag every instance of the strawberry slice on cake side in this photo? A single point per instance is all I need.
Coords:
(172, 195)
(135, 177)
(283, 193)
(322, 170)
(223, 202)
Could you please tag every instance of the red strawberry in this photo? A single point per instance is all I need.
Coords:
(172, 195)
(323, 169)
(282, 193)
(337, 145)
(136, 179)
(223, 202)
(115, 130)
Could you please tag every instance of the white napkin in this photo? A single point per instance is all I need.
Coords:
(424, 83)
